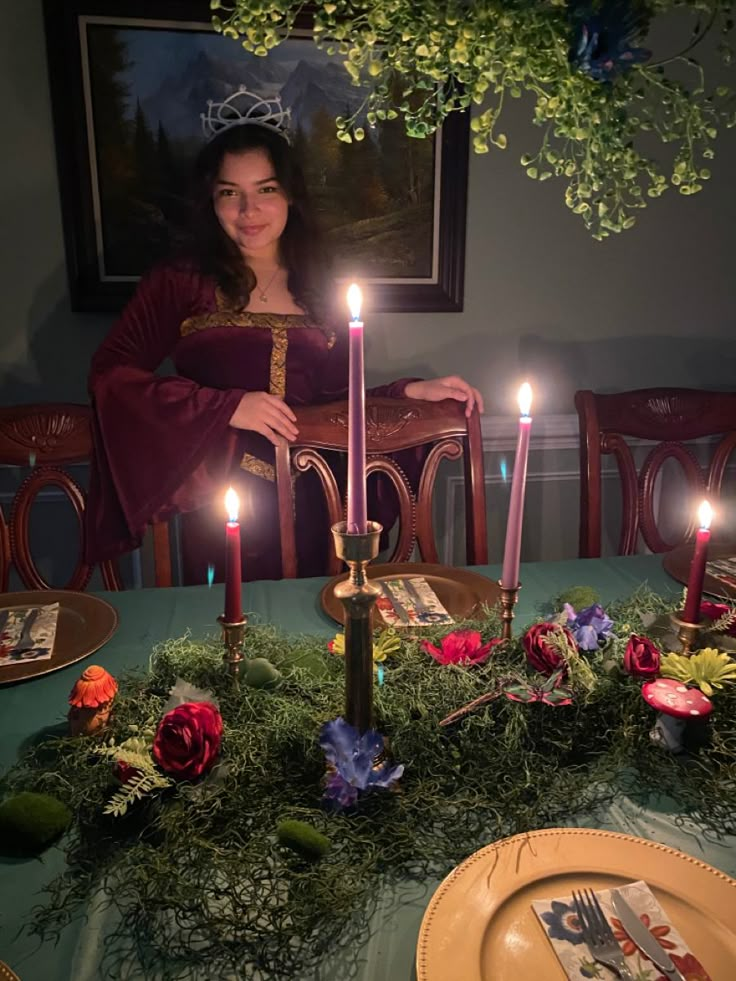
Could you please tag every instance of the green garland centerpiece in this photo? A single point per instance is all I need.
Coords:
(602, 99)
(250, 830)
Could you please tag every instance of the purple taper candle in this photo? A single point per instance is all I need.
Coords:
(357, 510)
(512, 551)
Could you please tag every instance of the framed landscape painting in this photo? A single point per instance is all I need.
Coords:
(129, 82)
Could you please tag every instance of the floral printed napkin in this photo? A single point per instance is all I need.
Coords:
(27, 634)
(560, 924)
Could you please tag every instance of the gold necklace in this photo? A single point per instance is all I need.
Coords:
(262, 293)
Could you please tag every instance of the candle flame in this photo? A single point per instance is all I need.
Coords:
(705, 515)
(355, 300)
(232, 504)
(525, 398)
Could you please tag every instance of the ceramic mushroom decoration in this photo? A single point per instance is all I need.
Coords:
(676, 705)
(91, 701)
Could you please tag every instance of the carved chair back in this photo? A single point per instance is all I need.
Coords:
(392, 425)
(47, 438)
(675, 421)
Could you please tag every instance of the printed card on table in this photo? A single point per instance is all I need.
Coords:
(410, 602)
(724, 570)
(27, 634)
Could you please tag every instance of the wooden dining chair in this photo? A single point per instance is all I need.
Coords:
(45, 439)
(392, 425)
(681, 424)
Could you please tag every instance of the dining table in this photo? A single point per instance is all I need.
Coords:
(150, 616)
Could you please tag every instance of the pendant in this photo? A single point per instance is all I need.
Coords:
(263, 298)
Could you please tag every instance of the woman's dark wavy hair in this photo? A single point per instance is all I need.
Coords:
(302, 246)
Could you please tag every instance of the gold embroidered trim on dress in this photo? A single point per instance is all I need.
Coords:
(277, 373)
(243, 318)
(258, 468)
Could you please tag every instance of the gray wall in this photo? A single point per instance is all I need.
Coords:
(543, 300)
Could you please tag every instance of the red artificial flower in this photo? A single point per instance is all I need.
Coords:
(714, 611)
(187, 741)
(641, 657)
(461, 647)
(124, 772)
(690, 967)
(627, 944)
(542, 656)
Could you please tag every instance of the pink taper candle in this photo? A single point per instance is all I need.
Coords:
(233, 609)
(357, 510)
(512, 551)
(691, 613)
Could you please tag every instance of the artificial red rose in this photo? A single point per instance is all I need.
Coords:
(461, 647)
(714, 611)
(124, 772)
(641, 657)
(542, 655)
(187, 741)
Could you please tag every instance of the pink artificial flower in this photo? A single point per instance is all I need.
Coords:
(461, 647)
(714, 611)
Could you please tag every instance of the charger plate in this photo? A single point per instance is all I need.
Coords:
(85, 623)
(462, 593)
(480, 925)
(677, 564)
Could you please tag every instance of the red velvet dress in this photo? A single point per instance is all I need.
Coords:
(163, 444)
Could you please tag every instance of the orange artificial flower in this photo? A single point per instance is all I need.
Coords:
(627, 944)
(96, 687)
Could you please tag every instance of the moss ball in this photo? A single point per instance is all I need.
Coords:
(579, 597)
(30, 822)
(261, 673)
(303, 839)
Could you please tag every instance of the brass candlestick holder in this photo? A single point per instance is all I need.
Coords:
(233, 634)
(672, 633)
(358, 596)
(509, 598)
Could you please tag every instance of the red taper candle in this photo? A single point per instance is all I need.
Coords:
(357, 508)
(691, 613)
(233, 608)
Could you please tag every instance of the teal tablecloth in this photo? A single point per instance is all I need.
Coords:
(149, 616)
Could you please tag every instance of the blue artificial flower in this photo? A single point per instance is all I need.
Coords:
(602, 44)
(591, 628)
(562, 923)
(353, 755)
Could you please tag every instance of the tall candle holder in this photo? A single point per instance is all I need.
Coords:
(509, 598)
(358, 597)
(233, 635)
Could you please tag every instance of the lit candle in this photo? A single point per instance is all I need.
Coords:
(691, 613)
(357, 511)
(233, 609)
(512, 551)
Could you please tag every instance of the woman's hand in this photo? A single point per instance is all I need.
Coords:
(449, 387)
(265, 414)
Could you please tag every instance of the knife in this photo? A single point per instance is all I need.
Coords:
(398, 607)
(643, 938)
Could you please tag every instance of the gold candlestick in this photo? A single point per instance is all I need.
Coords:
(509, 597)
(687, 633)
(358, 596)
(233, 634)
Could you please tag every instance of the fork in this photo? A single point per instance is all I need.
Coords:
(598, 935)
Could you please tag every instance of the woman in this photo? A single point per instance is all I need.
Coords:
(245, 317)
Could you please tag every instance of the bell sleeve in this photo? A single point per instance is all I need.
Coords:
(159, 443)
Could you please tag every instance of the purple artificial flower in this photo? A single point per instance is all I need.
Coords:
(591, 628)
(352, 756)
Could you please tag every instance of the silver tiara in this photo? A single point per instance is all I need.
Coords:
(244, 108)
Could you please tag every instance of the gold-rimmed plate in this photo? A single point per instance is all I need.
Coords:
(85, 623)
(677, 564)
(461, 592)
(6, 974)
(480, 925)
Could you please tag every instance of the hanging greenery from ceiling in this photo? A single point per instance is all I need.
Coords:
(602, 99)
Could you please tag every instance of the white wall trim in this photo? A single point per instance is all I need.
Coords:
(553, 432)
